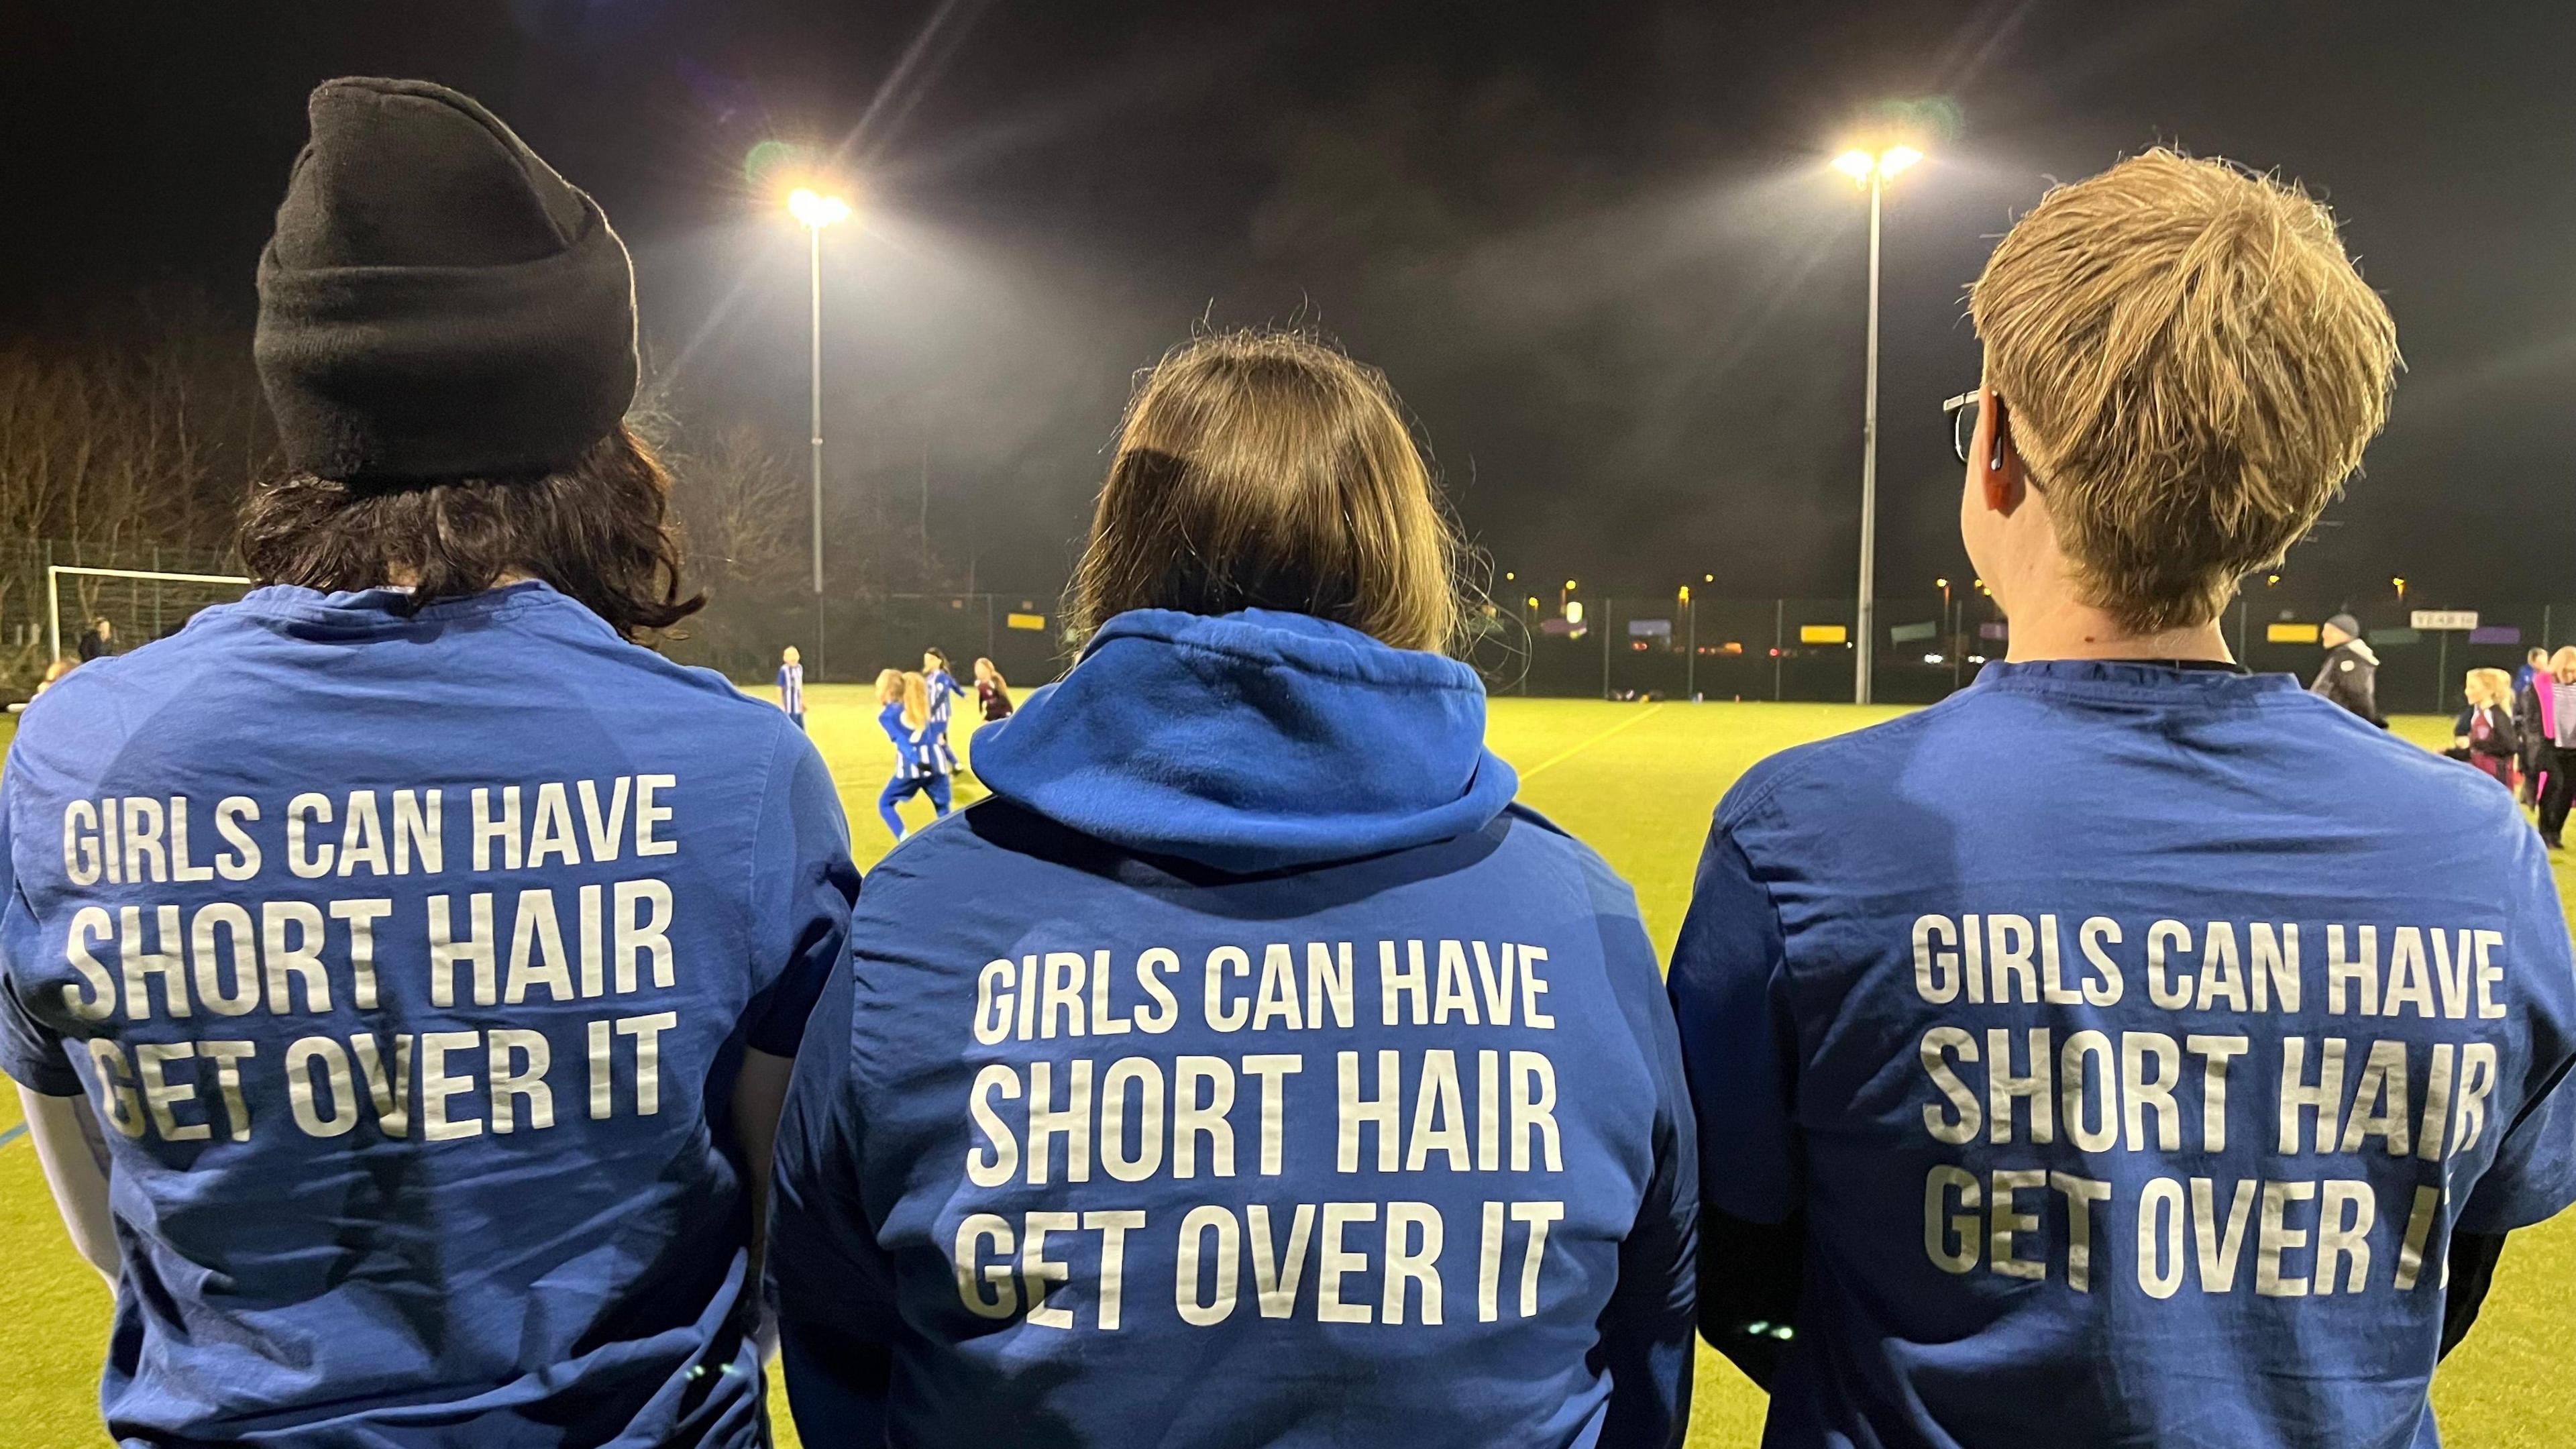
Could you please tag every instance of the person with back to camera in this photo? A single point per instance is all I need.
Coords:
(2350, 674)
(944, 690)
(1272, 1077)
(98, 641)
(2142, 1093)
(2547, 713)
(903, 712)
(429, 954)
(2535, 662)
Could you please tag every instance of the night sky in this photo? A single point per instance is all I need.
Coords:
(1596, 247)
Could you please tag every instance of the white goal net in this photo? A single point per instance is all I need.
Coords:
(136, 605)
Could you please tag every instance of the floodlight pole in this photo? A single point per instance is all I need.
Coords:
(814, 234)
(1868, 631)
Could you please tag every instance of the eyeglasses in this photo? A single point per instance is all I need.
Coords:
(1963, 422)
(1963, 411)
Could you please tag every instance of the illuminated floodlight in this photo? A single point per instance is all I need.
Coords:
(1861, 165)
(815, 209)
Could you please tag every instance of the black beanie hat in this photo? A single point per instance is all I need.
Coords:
(437, 302)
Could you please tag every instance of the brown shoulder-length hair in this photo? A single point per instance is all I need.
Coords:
(1265, 469)
(597, 529)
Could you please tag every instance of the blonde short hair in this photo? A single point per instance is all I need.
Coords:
(2495, 684)
(2192, 366)
(1265, 469)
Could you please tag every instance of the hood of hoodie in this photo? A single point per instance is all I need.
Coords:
(1251, 741)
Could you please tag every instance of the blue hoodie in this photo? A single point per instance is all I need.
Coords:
(1248, 1070)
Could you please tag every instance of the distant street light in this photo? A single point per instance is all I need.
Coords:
(1690, 646)
(817, 211)
(1953, 630)
(1871, 170)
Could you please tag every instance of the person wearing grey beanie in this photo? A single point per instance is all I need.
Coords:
(467, 943)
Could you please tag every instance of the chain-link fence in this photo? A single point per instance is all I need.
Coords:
(1672, 646)
(1716, 648)
(847, 638)
(2420, 666)
(1678, 647)
(843, 637)
(97, 612)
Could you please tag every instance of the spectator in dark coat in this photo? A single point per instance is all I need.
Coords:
(2548, 714)
(98, 641)
(2351, 674)
(2534, 665)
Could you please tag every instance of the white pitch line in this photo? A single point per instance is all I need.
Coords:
(1562, 756)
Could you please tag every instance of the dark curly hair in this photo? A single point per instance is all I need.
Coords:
(598, 529)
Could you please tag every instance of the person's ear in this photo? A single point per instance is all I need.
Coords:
(1999, 471)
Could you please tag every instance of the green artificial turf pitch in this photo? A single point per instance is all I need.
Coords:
(1637, 782)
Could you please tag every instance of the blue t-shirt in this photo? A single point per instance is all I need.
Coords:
(1247, 1071)
(2133, 1040)
(408, 963)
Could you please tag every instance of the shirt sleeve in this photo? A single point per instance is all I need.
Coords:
(2533, 1177)
(30, 1051)
(802, 888)
(1647, 1327)
(828, 1275)
(1729, 991)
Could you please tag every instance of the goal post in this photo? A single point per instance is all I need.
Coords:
(211, 589)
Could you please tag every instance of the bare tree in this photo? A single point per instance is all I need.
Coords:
(740, 503)
(134, 427)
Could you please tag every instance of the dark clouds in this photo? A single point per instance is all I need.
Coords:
(1593, 245)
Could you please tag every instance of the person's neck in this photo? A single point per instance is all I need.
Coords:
(405, 576)
(2065, 629)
